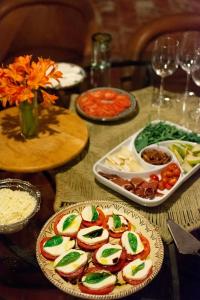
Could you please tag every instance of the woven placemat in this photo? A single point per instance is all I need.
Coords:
(75, 182)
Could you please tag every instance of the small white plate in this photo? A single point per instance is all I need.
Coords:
(72, 75)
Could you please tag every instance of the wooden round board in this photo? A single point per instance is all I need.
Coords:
(141, 225)
(62, 136)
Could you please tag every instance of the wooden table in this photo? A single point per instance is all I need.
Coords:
(62, 136)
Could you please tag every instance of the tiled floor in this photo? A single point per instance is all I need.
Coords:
(122, 17)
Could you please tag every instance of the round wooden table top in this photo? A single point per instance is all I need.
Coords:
(62, 136)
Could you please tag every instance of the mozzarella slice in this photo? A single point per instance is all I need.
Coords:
(137, 269)
(110, 280)
(111, 259)
(73, 266)
(59, 249)
(127, 246)
(87, 213)
(82, 235)
(73, 227)
(111, 224)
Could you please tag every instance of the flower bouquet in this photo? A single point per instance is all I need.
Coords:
(19, 85)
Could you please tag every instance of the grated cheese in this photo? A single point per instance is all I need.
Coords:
(15, 206)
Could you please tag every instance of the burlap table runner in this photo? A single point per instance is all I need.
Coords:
(75, 182)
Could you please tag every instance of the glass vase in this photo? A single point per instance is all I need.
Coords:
(28, 113)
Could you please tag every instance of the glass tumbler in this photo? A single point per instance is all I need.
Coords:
(100, 60)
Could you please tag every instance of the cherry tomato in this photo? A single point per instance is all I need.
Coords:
(154, 177)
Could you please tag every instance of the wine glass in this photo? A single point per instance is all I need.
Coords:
(187, 54)
(196, 78)
(164, 61)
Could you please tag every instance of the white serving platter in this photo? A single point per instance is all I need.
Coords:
(100, 166)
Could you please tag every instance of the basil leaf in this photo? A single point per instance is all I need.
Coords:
(109, 251)
(138, 268)
(68, 221)
(95, 214)
(96, 277)
(132, 239)
(54, 241)
(117, 221)
(68, 258)
(93, 234)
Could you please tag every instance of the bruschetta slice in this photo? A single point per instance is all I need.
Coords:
(97, 282)
(110, 257)
(92, 216)
(67, 224)
(137, 271)
(135, 245)
(91, 238)
(52, 247)
(71, 264)
(117, 225)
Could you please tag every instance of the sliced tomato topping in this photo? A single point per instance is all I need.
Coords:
(42, 250)
(135, 282)
(104, 103)
(114, 268)
(88, 247)
(116, 234)
(98, 222)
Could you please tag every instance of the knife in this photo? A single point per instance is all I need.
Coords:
(185, 241)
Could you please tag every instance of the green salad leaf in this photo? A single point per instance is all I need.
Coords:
(117, 221)
(96, 277)
(95, 214)
(68, 221)
(157, 132)
(109, 251)
(132, 239)
(93, 234)
(54, 241)
(68, 258)
(137, 269)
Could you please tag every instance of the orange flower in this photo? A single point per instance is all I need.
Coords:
(23, 77)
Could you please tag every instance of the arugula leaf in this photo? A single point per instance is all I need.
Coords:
(68, 258)
(96, 277)
(137, 269)
(68, 221)
(54, 241)
(109, 251)
(132, 239)
(117, 221)
(157, 132)
(95, 214)
(93, 234)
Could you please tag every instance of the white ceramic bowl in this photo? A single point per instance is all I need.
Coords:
(159, 148)
(19, 185)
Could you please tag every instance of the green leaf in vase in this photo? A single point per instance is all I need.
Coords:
(68, 221)
(137, 269)
(117, 221)
(132, 239)
(96, 277)
(95, 214)
(68, 258)
(54, 241)
(93, 234)
(109, 251)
